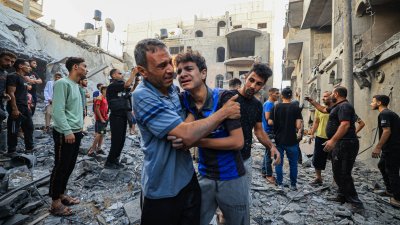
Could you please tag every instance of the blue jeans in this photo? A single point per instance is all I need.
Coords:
(292, 155)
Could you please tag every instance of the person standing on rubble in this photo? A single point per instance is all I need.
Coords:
(388, 147)
(48, 100)
(118, 95)
(7, 60)
(17, 108)
(67, 134)
(170, 190)
(33, 79)
(343, 143)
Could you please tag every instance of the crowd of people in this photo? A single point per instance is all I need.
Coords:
(220, 123)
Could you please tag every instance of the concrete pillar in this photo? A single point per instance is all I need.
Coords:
(348, 51)
(26, 7)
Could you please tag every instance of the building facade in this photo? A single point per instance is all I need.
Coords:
(313, 57)
(230, 43)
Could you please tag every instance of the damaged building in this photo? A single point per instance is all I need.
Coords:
(313, 55)
(230, 43)
(29, 38)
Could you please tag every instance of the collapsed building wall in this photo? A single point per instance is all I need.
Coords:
(32, 39)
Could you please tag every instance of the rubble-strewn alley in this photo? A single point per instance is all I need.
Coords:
(112, 196)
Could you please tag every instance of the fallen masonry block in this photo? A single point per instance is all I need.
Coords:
(11, 204)
(133, 211)
(31, 206)
(17, 219)
(3, 172)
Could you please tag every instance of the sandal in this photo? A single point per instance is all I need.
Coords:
(91, 152)
(100, 151)
(270, 179)
(61, 211)
(393, 202)
(68, 200)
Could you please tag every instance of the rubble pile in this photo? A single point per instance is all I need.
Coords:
(113, 196)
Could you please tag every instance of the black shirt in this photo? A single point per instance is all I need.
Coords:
(33, 76)
(342, 111)
(21, 94)
(117, 90)
(251, 113)
(284, 116)
(388, 118)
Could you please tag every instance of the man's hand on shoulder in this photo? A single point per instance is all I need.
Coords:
(232, 108)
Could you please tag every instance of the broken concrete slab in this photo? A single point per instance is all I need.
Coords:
(31, 206)
(11, 204)
(133, 211)
(17, 219)
(108, 174)
(292, 218)
(3, 172)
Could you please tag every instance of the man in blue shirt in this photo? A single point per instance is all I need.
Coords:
(170, 188)
(273, 96)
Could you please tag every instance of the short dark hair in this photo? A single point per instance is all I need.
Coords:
(272, 90)
(262, 70)
(192, 56)
(342, 91)
(112, 71)
(234, 82)
(384, 99)
(31, 60)
(102, 88)
(99, 86)
(57, 73)
(287, 93)
(19, 62)
(71, 61)
(9, 54)
(145, 46)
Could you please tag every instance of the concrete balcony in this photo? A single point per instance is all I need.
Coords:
(317, 13)
(35, 9)
(241, 61)
(295, 13)
(294, 50)
(241, 42)
(288, 70)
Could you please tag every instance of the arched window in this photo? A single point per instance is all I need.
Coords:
(219, 81)
(220, 54)
(199, 33)
(221, 28)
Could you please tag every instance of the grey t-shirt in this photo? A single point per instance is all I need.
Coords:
(166, 171)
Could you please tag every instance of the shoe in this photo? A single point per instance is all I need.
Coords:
(395, 203)
(357, 208)
(337, 198)
(119, 165)
(316, 182)
(279, 187)
(111, 166)
(293, 187)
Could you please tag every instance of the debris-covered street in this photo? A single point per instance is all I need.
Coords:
(113, 196)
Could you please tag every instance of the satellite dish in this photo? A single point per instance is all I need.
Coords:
(110, 25)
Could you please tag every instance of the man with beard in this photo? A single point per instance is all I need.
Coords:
(33, 79)
(7, 60)
(319, 127)
(388, 147)
(17, 107)
(171, 192)
(67, 134)
(343, 142)
(221, 168)
(84, 94)
(251, 111)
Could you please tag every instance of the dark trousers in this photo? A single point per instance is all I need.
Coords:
(267, 161)
(65, 159)
(24, 121)
(118, 131)
(389, 165)
(319, 156)
(34, 101)
(183, 209)
(343, 157)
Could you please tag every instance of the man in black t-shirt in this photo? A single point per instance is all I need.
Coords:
(286, 119)
(388, 147)
(343, 143)
(251, 111)
(7, 60)
(118, 93)
(33, 79)
(17, 107)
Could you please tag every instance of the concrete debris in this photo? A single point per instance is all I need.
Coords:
(17, 219)
(292, 218)
(31, 206)
(133, 211)
(10, 205)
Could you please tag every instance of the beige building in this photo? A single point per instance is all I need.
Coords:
(34, 7)
(313, 58)
(230, 43)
